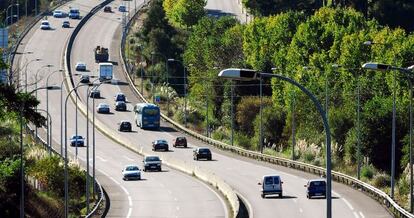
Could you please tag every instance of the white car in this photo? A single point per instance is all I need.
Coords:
(131, 172)
(58, 13)
(103, 108)
(45, 25)
(80, 66)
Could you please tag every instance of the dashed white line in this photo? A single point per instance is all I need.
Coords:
(361, 214)
(169, 192)
(300, 210)
(348, 204)
(178, 208)
(130, 159)
(337, 194)
(175, 199)
(100, 158)
(103, 173)
(356, 215)
(125, 190)
(129, 212)
(130, 201)
(112, 178)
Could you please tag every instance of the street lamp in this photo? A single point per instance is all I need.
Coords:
(7, 12)
(35, 83)
(66, 150)
(185, 88)
(249, 75)
(407, 72)
(87, 141)
(25, 70)
(49, 139)
(49, 130)
(22, 150)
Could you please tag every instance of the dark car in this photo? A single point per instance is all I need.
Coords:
(120, 106)
(65, 24)
(120, 97)
(125, 126)
(160, 144)
(107, 9)
(316, 188)
(84, 78)
(77, 140)
(152, 163)
(202, 153)
(95, 94)
(180, 141)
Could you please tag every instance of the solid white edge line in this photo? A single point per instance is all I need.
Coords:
(129, 212)
(337, 194)
(347, 203)
(125, 190)
(130, 201)
(112, 178)
(361, 214)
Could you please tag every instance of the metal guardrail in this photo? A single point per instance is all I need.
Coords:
(366, 188)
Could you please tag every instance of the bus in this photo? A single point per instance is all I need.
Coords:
(147, 115)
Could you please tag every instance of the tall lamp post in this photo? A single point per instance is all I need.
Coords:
(87, 142)
(248, 75)
(25, 71)
(49, 130)
(66, 150)
(185, 88)
(409, 74)
(49, 139)
(22, 109)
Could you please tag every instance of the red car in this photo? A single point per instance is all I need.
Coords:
(180, 141)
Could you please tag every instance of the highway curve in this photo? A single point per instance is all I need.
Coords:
(240, 173)
(166, 194)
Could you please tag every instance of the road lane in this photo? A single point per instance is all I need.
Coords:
(128, 198)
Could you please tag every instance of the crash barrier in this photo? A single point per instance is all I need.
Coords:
(221, 185)
(26, 30)
(96, 182)
(366, 188)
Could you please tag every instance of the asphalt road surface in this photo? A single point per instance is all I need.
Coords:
(166, 194)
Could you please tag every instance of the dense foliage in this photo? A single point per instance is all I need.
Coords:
(394, 13)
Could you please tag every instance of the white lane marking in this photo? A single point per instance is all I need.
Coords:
(175, 199)
(129, 212)
(125, 190)
(169, 192)
(356, 215)
(103, 173)
(130, 159)
(100, 158)
(130, 201)
(337, 194)
(112, 178)
(300, 210)
(348, 204)
(361, 214)
(178, 208)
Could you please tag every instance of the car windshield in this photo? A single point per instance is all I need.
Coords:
(45, 22)
(180, 139)
(271, 180)
(152, 159)
(204, 150)
(126, 124)
(74, 11)
(76, 137)
(103, 105)
(151, 111)
(161, 142)
(132, 168)
(317, 183)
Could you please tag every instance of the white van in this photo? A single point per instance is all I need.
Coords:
(271, 185)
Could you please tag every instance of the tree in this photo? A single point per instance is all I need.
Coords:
(187, 12)
(272, 7)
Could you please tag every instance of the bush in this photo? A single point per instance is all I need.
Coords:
(243, 140)
(367, 171)
(381, 180)
(308, 156)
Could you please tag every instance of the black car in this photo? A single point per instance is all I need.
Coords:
(160, 144)
(120, 106)
(77, 140)
(125, 126)
(152, 163)
(95, 94)
(180, 141)
(107, 9)
(202, 153)
(120, 97)
(316, 188)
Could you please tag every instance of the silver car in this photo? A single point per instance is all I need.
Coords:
(131, 172)
(103, 108)
(271, 185)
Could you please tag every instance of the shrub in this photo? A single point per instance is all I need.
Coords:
(243, 140)
(308, 156)
(381, 180)
(367, 171)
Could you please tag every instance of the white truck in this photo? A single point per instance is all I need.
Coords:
(105, 71)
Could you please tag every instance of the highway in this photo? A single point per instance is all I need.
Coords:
(242, 174)
(159, 194)
(218, 8)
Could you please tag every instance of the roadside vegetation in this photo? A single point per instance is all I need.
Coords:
(44, 172)
(302, 44)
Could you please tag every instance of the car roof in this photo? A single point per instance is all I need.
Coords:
(152, 156)
(65, 21)
(317, 180)
(203, 148)
(131, 165)
(45, 21)
(119, 93)
(161, 140)
(103, 104)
